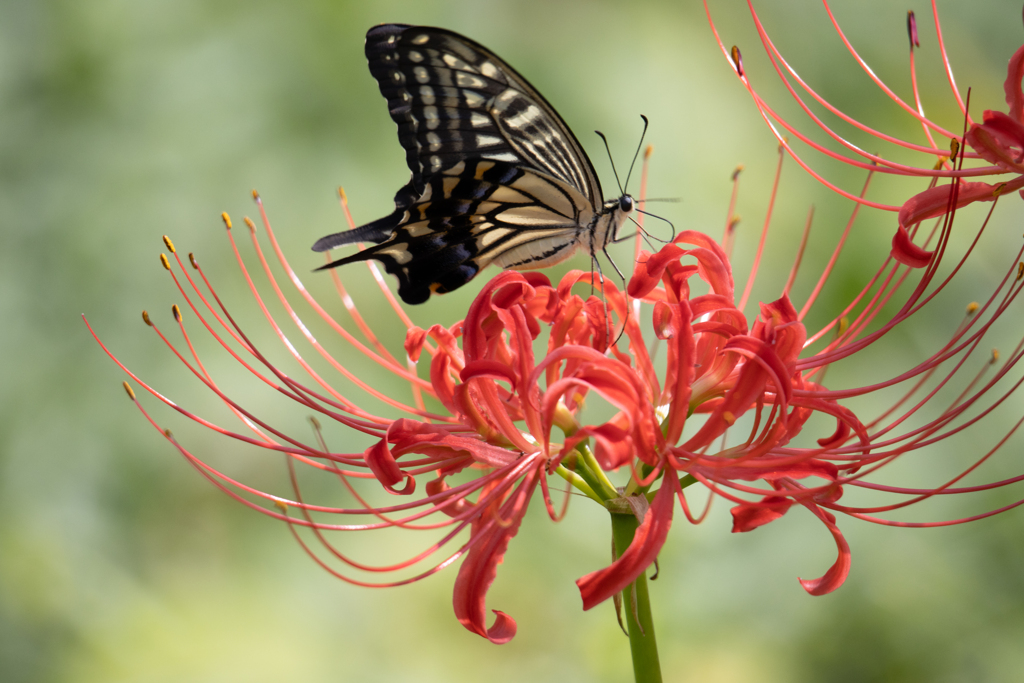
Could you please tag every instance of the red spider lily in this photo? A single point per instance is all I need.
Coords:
(513, 416)
(998, 140)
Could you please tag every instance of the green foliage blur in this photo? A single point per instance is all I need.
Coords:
(123, 120)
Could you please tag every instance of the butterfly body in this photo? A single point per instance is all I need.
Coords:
(497, 176)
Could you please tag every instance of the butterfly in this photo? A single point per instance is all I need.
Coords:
(497, 175)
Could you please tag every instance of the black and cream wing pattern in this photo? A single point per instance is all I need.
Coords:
(497, 176)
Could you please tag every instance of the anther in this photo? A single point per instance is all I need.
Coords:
(995, 356)
(252, 226)
(649, 151)
(169, 243)
(145, 318)
(128, 389)
(737, 60)
(256, 196)
(844, 325)
(341, 194)
(165, 262)
(972, 308)
(736, 173)
(176, 312)
(281, 505)
(912, 30)
(167, 433)
(954, 149)
(1020, 270)
(729, 418)
(193, 261)
(227, 220)
(315, 422)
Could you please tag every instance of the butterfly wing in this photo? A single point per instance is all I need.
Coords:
(456, 103)
(473, 214)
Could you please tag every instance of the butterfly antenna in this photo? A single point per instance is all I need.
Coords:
(638, 148)
(660, 218)
(609, 151)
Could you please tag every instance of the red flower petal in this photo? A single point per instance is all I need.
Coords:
(1012, 88)
(906, 252)
(749, 516)
(598, 586)
(838, 572)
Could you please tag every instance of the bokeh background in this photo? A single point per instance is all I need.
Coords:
(123, 120)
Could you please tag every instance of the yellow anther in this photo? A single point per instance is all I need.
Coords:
(342, 195)
(737, 59)
(844, 325)
(733, 223)
(128, 389)
(165, 262)
(939, 164)
(315, 422)
(1020, 270)
(736, 173)
(227, 220)
(252, 226)
(281, 505)
(193, 261)
(176, 312)
(954, 149)
(972, 308)
(729, 418)
(995, 356)
(169, 243)
(167, 433)
(256, 195)
(145, 318)
(649, 151)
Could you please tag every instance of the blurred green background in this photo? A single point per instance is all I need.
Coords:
(125, 120)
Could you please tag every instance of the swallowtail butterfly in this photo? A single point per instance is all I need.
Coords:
(497, 176)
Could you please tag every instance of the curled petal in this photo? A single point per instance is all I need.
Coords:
(906, 252)
(649, 268)
(749, 516)
(414, 339)
(1012, 87)
(999, 140)
(382, 463)
(838, 572)
(598, 586)
(935, 201)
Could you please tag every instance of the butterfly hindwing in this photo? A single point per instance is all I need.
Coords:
(473, 214)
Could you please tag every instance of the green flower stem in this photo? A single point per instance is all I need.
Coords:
(606, 488)
(578, 482)
(635, 598)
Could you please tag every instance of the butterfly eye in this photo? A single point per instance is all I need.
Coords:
(626, 203)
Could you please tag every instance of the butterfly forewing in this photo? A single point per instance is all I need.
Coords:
(454, 99)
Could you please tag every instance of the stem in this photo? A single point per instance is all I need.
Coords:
(642, 644)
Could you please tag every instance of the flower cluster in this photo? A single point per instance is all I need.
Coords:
(515, 416)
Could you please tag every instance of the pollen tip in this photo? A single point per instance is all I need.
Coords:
(912, 30)
(248, 221)
(281, 505)
(341, 194)
(163, 260)
(737, 60)
(649, 151)
(315, 422)
(227, 219)
(972, 308)
(995, 357)
(954, 148)
(169, 244)
(844, 325)
(128, 389)
(145, 318)
(736, 173)
(256, 196)
(729, 417)
(176, 312)
(193, 261)
(1020, 270)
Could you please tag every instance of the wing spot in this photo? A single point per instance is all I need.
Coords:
(435, 141)
(456, 63)
(478, 120)
(466, 80)
(421, 74)
(430, 114)
(487, 141)
(435, 163)
(415, 56)
(488, 69)
(503, 156)
(473, 98)
(427, 93)
(420, 39)
(397, 77)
